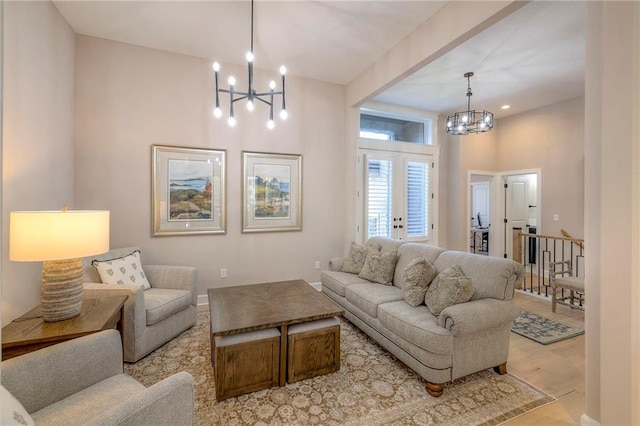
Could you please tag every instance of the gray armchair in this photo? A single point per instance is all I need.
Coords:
(81, 382)
(151, 317)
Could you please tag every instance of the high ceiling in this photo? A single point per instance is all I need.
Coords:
(532, 58)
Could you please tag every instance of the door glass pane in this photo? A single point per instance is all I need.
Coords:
(417, 199)
(379, 197)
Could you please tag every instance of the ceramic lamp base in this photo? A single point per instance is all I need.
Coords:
(61, 291)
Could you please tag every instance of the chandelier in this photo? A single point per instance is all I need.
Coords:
(251, 95)
(469, 121)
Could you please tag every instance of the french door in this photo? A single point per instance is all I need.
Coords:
(397, 195)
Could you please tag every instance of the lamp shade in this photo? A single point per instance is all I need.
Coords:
(57, 235)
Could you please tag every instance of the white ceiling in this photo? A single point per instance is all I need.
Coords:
(532, 58)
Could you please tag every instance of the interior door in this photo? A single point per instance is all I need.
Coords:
(516, 208)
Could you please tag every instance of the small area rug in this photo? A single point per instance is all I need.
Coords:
(371, 388)
(543, 330)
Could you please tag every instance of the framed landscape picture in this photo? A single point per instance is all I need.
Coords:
(271, 192)
(188, 191)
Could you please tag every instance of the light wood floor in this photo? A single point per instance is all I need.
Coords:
(557, 369)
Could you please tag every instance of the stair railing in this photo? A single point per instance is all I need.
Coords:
(539, 251)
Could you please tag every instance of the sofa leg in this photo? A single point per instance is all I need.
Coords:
(501, 369)
(434, 389)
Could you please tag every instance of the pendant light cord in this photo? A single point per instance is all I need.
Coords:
(251, 26)
(469, 94)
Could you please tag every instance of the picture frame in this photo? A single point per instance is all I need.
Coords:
(189, 191)
(271, 192)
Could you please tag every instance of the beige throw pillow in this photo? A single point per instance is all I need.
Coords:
(416, 277)
(379, 267)
(123, 270)
(448, 288)
(355, 259)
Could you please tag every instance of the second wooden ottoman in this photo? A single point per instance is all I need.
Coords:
(313, 349)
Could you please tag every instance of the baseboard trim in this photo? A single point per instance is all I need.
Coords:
(203, 299)
(588, 421)
(317, 286)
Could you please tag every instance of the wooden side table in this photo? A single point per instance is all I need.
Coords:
(30, 332)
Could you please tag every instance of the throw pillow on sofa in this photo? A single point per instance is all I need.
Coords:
(122, 270)
(416, 277)
(354, 261)
(448, 288)
(379, 267)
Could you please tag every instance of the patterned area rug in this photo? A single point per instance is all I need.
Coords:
(543, 330)
(371, 388)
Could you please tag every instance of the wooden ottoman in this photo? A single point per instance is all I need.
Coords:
(246, 362)
(313, 349)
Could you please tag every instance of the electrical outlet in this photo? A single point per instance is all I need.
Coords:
(317, 264)
(223, 273)
(556, 217)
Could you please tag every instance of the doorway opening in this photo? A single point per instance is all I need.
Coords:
(522, 207)
(480, 236)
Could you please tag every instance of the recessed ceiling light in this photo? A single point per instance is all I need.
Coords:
(505, 107)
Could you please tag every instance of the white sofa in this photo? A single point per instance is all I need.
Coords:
(465, 338)
(151, 317)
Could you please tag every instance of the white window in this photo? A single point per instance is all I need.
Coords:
(403, 126)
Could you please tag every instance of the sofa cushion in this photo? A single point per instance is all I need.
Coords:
(161, 303)
(368, 296)
(385, 244)
(416, 325)
(122, 270)
(416, 277)
(448, 288)
(378, 267)
(338, 281)
(492, 276)
(78, 408)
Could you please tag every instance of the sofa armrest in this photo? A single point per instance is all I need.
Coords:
(168, 402)
(174, 277)
(336, 263)
(476, 315)
(41, 378)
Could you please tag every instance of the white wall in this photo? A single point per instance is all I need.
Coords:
(129, 98)
(550, 138)
(37, 149)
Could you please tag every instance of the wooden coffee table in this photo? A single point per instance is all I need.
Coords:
(30, 332)
(272, 305)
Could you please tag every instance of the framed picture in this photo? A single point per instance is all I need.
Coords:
(271, 192)
(188, 191)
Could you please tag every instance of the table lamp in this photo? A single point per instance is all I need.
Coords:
(59, 239)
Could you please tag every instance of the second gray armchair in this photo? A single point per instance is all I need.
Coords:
(153, 316)
(82, 382)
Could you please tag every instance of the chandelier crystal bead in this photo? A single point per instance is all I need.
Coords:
(251, 94)
(469, 121)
